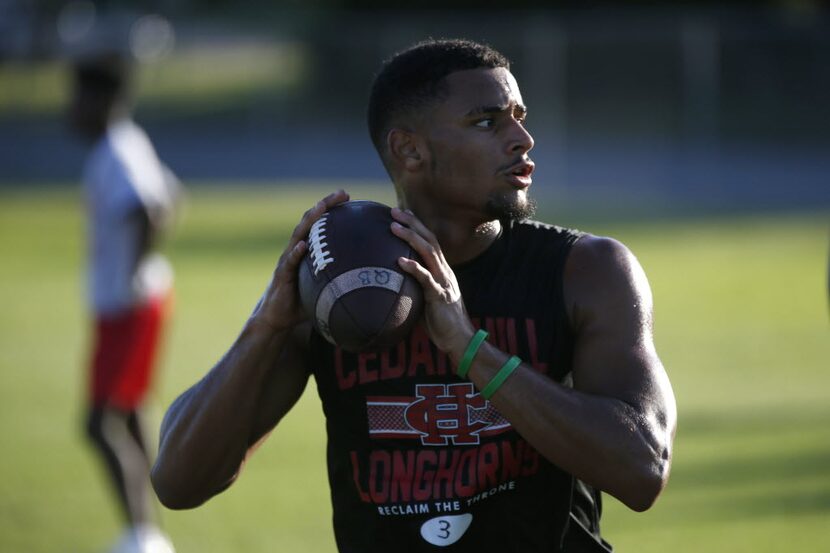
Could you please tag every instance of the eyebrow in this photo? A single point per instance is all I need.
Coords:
(485, 110)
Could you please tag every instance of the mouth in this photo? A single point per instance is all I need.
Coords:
(519, 174)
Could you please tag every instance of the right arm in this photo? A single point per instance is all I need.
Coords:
(211, 429)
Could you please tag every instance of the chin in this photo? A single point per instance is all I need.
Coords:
(511, 206)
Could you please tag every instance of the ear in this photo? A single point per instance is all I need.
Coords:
(405, 148)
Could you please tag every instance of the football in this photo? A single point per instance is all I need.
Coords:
(351, 286)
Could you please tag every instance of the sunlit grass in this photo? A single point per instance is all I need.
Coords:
(741, 325)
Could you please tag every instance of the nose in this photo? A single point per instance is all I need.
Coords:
(520, 140)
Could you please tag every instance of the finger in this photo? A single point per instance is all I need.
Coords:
(295, 256)
(430, 286)
(311, 216)
(314, 213)
(335, 198)
(430, 250)
(408, 219)
(290, 260)
(431, 254)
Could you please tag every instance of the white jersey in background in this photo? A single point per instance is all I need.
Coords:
(122, 175)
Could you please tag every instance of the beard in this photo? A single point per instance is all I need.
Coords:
(510, 207)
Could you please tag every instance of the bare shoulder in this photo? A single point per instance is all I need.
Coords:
(610, 306)
(597, 254)
(603, 275)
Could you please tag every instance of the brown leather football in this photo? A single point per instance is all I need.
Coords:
(351, 285)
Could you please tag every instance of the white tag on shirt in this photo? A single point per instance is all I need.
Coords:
(445, 530)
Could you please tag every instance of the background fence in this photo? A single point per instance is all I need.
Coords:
(697, 107)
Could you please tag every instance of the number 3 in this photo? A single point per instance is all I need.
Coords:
(444, 532)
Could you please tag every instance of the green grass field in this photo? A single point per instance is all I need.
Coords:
(741, 325)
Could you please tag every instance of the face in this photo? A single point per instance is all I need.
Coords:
(477, 146)
(88, 112)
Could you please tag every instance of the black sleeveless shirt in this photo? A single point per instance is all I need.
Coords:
(419, 461)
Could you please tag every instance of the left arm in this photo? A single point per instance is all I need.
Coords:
(147, 231)
(614, 429)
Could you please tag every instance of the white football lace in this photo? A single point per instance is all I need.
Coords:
(320, 256)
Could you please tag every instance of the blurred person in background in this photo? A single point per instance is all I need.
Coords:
(130, 198)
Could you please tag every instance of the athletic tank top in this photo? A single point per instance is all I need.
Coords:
(417, 460)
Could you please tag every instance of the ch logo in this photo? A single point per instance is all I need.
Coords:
(444, 412)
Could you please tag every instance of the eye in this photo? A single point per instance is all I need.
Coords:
(520, 114)
(487, 123)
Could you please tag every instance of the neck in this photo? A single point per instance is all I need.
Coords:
(462, 236)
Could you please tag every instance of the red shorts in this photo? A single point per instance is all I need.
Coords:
(124, 354)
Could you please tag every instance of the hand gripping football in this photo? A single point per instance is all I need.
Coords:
(350, 283)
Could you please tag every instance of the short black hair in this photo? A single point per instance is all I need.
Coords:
(413, 78)
(104, 73)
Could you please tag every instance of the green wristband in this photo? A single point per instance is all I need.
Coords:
(472, 349)
(505, 371)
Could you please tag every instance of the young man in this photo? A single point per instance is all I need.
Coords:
(456, 438)
(130, 197)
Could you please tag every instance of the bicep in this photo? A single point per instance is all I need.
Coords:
(284, 385)
(611, 307)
